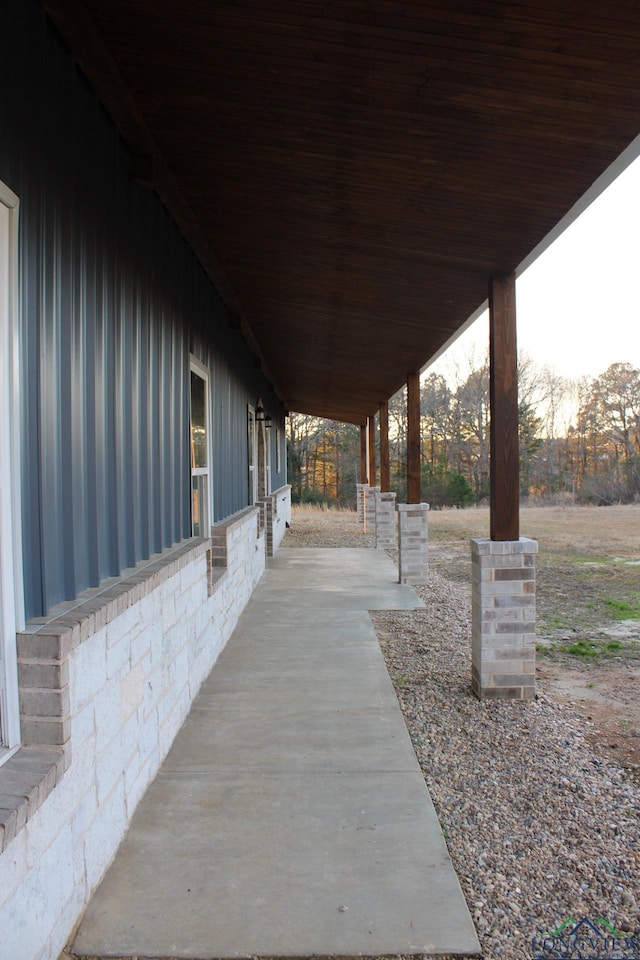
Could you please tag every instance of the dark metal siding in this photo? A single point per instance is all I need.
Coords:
(110, 295)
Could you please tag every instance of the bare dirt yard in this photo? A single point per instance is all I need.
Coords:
(588, 608)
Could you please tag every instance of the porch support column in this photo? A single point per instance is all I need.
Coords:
(503, 399)
(503, 567)
(385, 500)
(414, 492)
(413, 547)
(385, 470)
(372, 489)
(372, 451)
(361, 487)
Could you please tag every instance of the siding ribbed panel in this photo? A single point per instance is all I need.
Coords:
(110, 299)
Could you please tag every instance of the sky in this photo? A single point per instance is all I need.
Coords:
(578, 304)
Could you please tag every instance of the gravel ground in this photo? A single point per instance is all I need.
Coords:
(540, 827)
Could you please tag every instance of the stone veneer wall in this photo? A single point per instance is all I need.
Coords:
(105, 687)
(503, 618)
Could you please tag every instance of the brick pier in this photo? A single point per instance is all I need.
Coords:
(361, 489)
(370, 495)
(386, 521)
(413, 542)
(504, 624)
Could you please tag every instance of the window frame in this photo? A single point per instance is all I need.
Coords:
(268, 479)
(195, 366)
(278, 451)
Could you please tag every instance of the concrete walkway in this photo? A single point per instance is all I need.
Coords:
(290, 818)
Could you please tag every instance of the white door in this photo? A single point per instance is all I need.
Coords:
(9, 713)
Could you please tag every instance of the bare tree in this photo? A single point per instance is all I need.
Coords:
(596, 455)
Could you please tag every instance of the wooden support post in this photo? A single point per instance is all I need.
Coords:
(385, 472)
(372, 451)
(505, 453)
(414, 489)
(363, 454)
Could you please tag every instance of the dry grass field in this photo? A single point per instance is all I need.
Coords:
(611, 531)
(588, 599)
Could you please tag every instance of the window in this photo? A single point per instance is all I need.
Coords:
(278, 452)
(200, 457)
(252, 447)
(11, 617)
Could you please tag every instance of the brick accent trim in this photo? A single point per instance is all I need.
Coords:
(26, 780)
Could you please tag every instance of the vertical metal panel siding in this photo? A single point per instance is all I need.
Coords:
(112, 301)
(104, 341)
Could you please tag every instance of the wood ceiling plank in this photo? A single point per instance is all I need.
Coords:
(361, 169)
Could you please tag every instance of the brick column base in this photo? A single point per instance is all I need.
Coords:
(385, 521)
(370, 509)
(503, 618)
(413, 542)
(361, 488)
(268, 505)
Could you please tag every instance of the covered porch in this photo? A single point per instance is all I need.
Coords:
(358, 181)
(353, 179)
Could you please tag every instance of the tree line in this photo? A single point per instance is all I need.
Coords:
(579, 440)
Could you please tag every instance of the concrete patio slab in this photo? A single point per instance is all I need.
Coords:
(290, 818)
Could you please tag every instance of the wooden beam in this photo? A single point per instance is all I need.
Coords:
(385, 472)
(414, 487)
(372, 451)
(505, 453)
(364, 473)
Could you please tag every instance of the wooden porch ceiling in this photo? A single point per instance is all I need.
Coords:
(351, 172)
